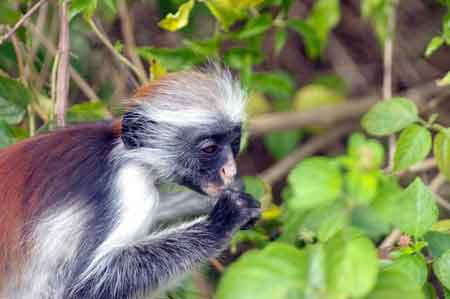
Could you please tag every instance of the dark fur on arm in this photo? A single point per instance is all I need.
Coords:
(150, 263)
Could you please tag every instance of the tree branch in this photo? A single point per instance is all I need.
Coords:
(21, 21)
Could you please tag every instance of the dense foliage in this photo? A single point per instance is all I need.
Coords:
(332, 230)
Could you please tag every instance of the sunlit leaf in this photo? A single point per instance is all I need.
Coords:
(414, 145)
(444, 80)
(310, 37)
(255, 26)
(85, 7)
(88, 111)
(393, 284)
(156, 69)
(172, 59)
(174, 22)
(434, 45)
(413, 266)
(390, 116)
(441, 151)
(279, 85)
(280, 40)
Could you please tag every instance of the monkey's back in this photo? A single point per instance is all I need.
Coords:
(43, 172)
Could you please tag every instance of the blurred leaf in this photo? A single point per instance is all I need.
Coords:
(85, 7)
(240, 58)
(413, 266)
(390, 116)
(229, 11)
(314, 181)
(416, 209)
(394, 285)
(441, 268)
(385, 202)
(206, 47)
(378, 11)
(441, 151)
(156, 70)
(256, 187)
(276, 272)
(280, 144)
(272, 213)
(14, 99)
(257, 104)
(309, 35)
(444, 81)
(446, 28)
(352, 264)
(435, 43)
(441, 226)
(277, 84)
(8, 15)
(368, 221)
(172, 59)
(429, 291)
(280, 40)
(186, 290)
(438, 242)
(332, 82)
(368, 154)
(324, 16)
(251, 236)
(174, 22)
(361, 186)
(311, 97)
(325, 220)
(88, 111)
(414, 145)
(6, 135)
(255, 26)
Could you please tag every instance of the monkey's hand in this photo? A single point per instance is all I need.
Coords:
(234, 210)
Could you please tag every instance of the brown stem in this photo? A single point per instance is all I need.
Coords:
(62, 81)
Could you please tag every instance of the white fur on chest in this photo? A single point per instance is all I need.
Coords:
(137, 199)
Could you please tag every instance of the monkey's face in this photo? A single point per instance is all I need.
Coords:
(209, 165)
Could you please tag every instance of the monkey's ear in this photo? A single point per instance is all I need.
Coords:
(134, 126)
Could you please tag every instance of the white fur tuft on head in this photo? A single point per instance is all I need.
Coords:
(193, 97)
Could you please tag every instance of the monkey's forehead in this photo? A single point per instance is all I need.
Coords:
(192, 97)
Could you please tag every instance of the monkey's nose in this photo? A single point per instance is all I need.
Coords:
(228, 172)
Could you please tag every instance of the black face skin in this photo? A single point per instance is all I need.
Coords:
(209, 151)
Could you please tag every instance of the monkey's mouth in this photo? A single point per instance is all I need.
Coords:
(213, 189)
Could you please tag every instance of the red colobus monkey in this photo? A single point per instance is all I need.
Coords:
(78, 205)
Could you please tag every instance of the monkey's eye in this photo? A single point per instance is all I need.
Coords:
(236, 142)
(210, 149)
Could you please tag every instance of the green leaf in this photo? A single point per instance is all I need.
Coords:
(14, 98)
(395, 285)
(255, 186)
(438, 242)
(85, 7)
(227, 12)
(280, 40)
(414, 145)
(284, 266)
(278, 84)
(413, 266)
(366, 219)
(378, 11)
(280, 144)
(174, 22)
(385, 202)
(352, 265)
(172, 59)
(206, 47)
(416, 209)
(361, 186)
(441, 151)
(367, 154)
(388, 117)
(8, 15)
(332, 82)
(324, 16)
(255, 26)
(257, 104)
(309, 35)
(88, 111)
(241, 58)
(314, 181)
(435, 43)
(324, 221)
(6, 135)
(444, 80)
(441, 268)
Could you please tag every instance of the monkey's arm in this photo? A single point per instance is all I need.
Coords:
(150, 263)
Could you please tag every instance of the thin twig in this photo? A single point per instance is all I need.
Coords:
(387, 74)
(389, 242)
(62, 81)
(126, 25)
(81, 83)
(111, 48)
(425, 165)
(217, 265)
(21, 21)
(435, 185)
(20, 64)
(282, 167)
